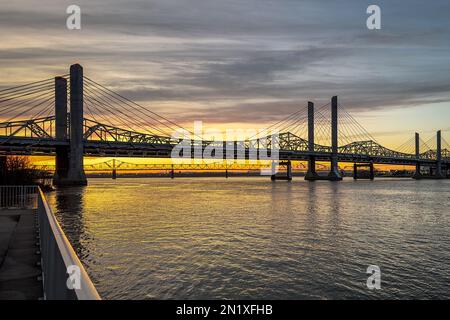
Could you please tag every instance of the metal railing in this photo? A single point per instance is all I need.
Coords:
(63, 275)
(18, 197)
(58, 257)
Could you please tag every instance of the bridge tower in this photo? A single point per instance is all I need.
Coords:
(436, 174)
(311, 174)
(439, 174)
(334, 172)
(417, 174)
(62, 151)
(69, 160)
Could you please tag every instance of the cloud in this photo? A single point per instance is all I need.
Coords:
(237, 61)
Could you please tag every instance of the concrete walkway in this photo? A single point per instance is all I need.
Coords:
(19, 270)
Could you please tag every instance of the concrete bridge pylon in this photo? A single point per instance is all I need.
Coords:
(69, 160)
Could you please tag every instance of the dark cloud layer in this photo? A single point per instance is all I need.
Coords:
(230, 61)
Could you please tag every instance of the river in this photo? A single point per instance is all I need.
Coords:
(250, 238)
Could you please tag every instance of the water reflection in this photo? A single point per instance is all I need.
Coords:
(311, 208)
(335, 206)
(192, 238)
(69, 205)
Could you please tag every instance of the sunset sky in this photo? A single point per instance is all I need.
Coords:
(246, 63)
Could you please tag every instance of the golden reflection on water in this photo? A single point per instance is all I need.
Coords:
(252, 238)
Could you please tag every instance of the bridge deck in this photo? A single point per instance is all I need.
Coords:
(19, 271)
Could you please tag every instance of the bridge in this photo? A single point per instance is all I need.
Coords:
(113, 166)
(73, 116)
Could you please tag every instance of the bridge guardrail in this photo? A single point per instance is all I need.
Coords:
(21, 197)
(57, 254)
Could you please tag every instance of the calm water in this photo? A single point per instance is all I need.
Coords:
(212, 238)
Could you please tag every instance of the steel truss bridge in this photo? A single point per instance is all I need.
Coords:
(36, 137)
(119, 165)
(73, 116)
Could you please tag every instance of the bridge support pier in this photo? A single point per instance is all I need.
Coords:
(417, 174)
(334, 174)
(437, 173)
(311, 174)
(371, 175)
(288, 176)
(75, 173)
(289, 170)
(114, 170)
(62, 151)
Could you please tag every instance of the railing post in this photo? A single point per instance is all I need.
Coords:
(21, 196)
(3, 168)
(334, 172)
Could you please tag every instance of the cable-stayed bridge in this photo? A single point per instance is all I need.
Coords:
(73, 116)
